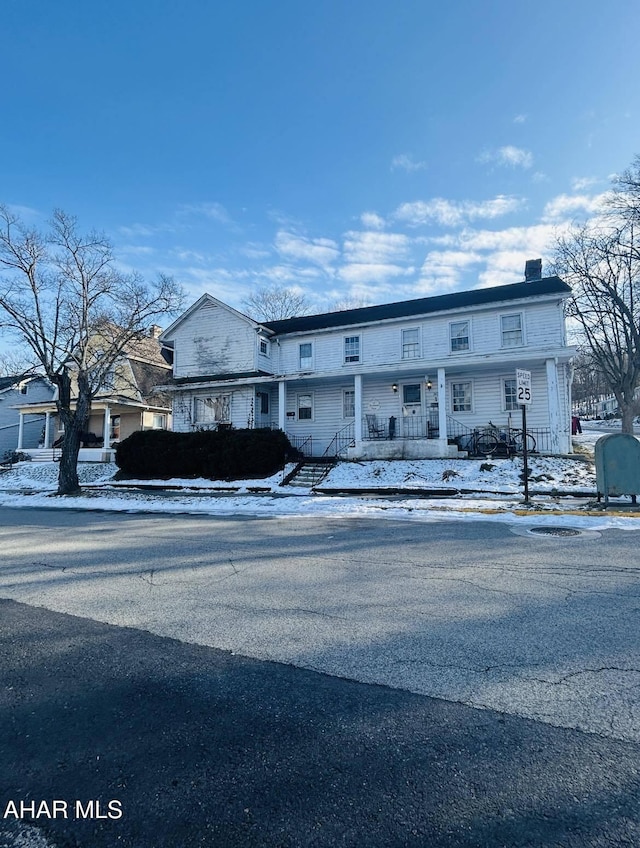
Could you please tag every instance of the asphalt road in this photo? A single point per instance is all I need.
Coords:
(203, 747)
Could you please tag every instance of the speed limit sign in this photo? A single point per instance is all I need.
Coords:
(523, 386)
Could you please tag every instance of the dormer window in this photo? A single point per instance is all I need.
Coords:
(263, 346)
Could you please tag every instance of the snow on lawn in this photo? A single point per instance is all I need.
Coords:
(496, 484)
(557, 474)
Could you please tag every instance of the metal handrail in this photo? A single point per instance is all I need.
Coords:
(342, 439)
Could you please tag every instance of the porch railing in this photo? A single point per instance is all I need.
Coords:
(302, 444)
(509, 439)
(342, 440)
(400, 427)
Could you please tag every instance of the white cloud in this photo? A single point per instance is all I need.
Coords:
(320, 251)
(442, 269)
(565, 206)
(582, 183)
(508, 157)
(372, 221)
(366, 273)
(454, 213)
(407, 163)
(520, 119)
(374, 247)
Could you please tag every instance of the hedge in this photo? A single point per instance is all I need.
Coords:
(213, 454)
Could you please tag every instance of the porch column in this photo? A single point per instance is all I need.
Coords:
(357, 385)
(553, 397)
(107, 426)
(442, 408)
(20, 430)
(47, 429)
(282, 405)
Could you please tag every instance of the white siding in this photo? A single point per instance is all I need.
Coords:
(214, 340)
(382, 344)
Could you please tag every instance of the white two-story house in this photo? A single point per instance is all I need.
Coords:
(389, 381)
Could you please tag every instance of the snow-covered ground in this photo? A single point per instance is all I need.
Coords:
(480, 489)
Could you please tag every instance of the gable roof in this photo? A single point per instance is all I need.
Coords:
(206, 299)
(421, 306)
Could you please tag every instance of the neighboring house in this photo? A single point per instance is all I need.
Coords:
(130, 400)
(395, 380)
(15, 429)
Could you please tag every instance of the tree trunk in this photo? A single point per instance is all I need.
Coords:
(627, 411)
(75, 422)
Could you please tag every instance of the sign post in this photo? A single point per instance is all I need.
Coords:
(523, 394)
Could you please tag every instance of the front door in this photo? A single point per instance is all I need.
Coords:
(413, 426)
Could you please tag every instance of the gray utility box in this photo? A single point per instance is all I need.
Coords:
(618, 466)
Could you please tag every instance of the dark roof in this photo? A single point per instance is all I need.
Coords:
(147, 377)
(421, 306)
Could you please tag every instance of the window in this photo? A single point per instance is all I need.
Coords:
(213, 410)
(264, 347)
(348, 403)
(461, 397)
(510, 397)
(24, 389)
(459, 335)
(305, 407)
(352, 349)
(306, 355)
(411, 393)
(114, 432)
(511, 328)
(411, 344)
(159, 421)
(263, 403)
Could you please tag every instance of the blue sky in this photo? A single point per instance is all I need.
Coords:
(372, 150)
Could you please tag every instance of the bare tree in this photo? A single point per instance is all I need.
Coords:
(63, 297)
(273, 303)
(601, 261)
(348, 302)
(15, 363)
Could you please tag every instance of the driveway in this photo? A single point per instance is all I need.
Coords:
(544, 627)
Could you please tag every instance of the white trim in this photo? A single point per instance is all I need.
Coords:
(357, 361)
(310, 367)
(469, 411)
(403, 330)
(465, 350)
(300, 395)
(523, 341)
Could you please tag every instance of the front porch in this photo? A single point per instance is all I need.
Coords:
(85, 454)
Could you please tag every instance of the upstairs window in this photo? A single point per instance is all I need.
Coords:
(411, 343)
(306, 356)
(511, 330)
(263, 345)
(459, 335)
(352, 349)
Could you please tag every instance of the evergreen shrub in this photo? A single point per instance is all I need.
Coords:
(213, 454)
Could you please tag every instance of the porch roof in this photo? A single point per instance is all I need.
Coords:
(116, 406)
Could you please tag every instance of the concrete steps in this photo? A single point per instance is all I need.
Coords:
(310, 474)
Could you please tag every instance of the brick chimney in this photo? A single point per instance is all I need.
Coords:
(154, 331)
(532, 270)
